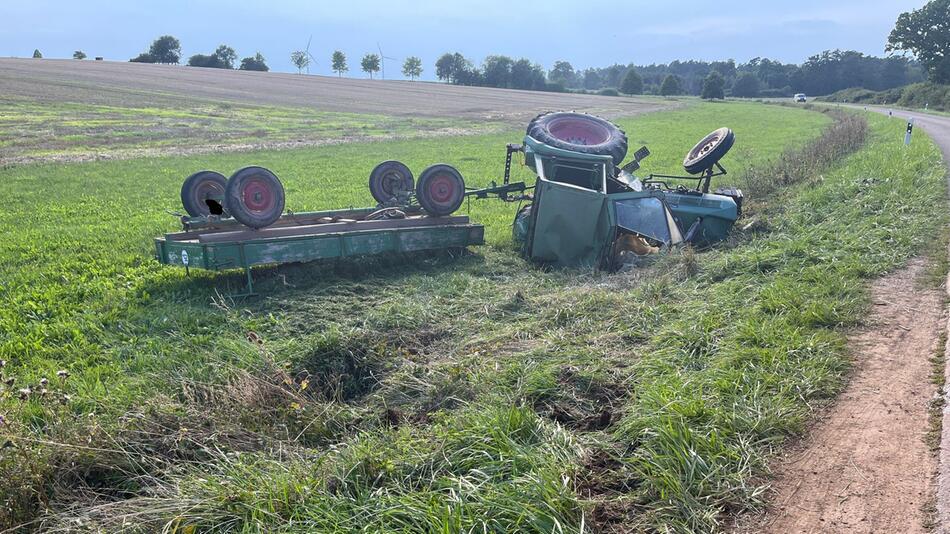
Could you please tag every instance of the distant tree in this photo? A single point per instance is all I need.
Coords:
(79, 54)
(37, 54)
(632, 83)
(592, 79)
(671, 85)
(746, 85)
(563, 73)
(450, 66)
(226, 55)
(202, 60)
(370, 64)
(256, 62)
(925, 32)
(165, 49)
(338, 63)
(527, 75)
(412, 67)
(144, 57)
(300, 59)
(713, 86)
(496, 71)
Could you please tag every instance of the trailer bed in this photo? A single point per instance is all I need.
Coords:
(303, 239)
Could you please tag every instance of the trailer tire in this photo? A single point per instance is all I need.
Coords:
(709, 151)
(254, 196)
(580, 132)
(440, 190)
(197, 190)
(388, 180)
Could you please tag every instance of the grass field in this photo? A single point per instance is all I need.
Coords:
(432, 393)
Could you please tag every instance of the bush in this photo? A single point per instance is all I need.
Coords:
(919, 95)
(201, 60)
(776, 93)
(608, 91)
(554, 87)
(144, 57)
(255, 62)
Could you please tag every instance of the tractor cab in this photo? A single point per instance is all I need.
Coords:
(587, 211)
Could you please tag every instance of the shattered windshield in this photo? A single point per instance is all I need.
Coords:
(648, 217)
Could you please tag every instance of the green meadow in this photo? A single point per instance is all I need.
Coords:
(436, 393)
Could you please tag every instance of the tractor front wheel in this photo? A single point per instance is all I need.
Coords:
(709, 151)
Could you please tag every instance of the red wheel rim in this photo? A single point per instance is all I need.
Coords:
(257, 196)
(579, 132)
(442, 188)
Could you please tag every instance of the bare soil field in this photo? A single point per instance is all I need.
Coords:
(135, 84)
(67, 110)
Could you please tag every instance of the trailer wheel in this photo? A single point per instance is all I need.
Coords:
(202, 193)
(254, 196)
(709, 151)
(440, 190)
(389, 181)
(580, 132)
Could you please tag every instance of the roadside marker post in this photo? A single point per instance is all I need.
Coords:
(910, 130)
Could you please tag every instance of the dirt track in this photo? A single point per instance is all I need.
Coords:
(135, 84)
(865, 466)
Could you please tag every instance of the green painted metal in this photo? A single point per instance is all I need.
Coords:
(571, 225)
(237, 255)
(304, 248)
(574, 217)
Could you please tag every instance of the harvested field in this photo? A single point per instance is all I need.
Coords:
(68, 111)
(136, 85)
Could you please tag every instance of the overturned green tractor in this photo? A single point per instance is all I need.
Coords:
(588, 210)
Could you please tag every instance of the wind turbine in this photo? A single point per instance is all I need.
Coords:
(382, 59)
(309, 55)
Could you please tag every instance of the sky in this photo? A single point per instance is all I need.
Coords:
(585, 33)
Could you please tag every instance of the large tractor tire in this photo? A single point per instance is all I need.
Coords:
(580, 132)
(255, 197)
(440, 190)
(202, 193)
(709, 151)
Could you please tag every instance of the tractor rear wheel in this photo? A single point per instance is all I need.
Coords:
(440, 190)
(202, 193)
(580, 132)
(709, 151)
(255, 197)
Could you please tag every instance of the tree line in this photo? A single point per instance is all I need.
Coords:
(167, 49)
(923, 33)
